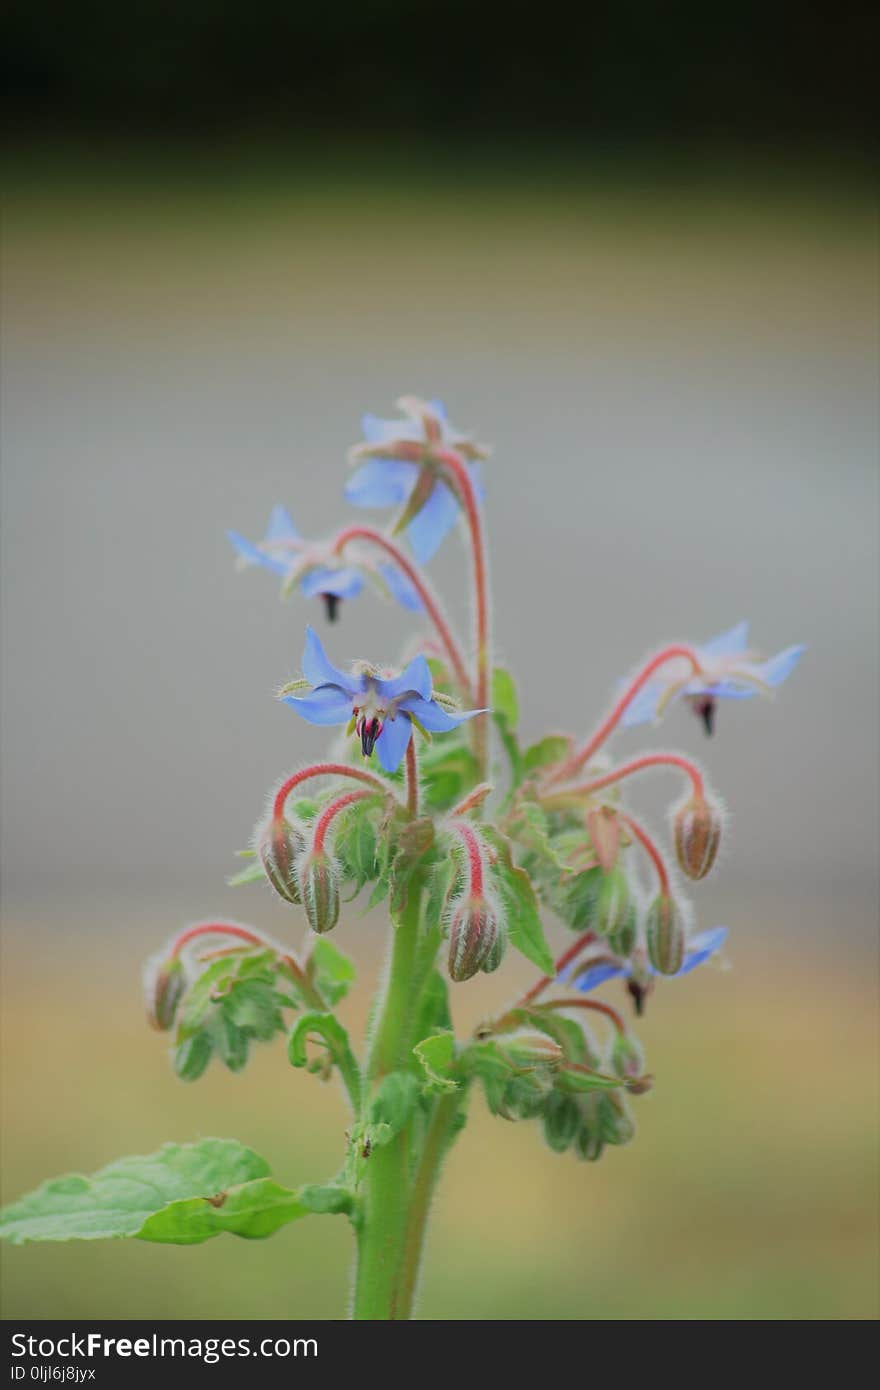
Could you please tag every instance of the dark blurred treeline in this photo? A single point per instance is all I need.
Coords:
(603, 69)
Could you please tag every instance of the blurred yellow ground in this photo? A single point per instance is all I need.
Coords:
(750, 1191)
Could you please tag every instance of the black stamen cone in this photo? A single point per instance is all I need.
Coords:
(370, 731)
(331, 603)
(707, 714)
(637, 994)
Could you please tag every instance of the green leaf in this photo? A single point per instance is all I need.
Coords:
(545, 752)
(505, 702)
(433, 1011)
(330, 969)
(437, 1055)
(181, 1195)
(524, 927)
(393, 1104)
(322, 1025)
(355, 845)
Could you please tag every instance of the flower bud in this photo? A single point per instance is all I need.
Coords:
(627, 1059)
(319, 890)
(588, 1141)
(164, 987)
(616, 1124)
(665, 935)
(495, 955)
(562, 1120)
(473, 935)
(697, 833)
(622, 937)
(612, 904)
(280, 845)
(603, 827)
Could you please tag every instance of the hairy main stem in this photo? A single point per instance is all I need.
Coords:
(419, 581)
(468, 496)
(382, 1224)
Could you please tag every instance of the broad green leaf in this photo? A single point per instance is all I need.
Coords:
(545, 752)
(505, 703)
(437, 1055)
(355, 845)
(330, 969)
(181, 1195)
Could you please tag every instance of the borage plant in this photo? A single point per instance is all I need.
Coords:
(464, 854)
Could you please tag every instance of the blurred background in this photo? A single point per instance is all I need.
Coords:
(635, 250)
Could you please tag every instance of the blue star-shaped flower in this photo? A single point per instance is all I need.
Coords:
(318, 572)
(729, 671)
(700, 947)
(397, 456)
(381, 710)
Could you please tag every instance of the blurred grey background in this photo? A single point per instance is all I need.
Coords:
(680, 385)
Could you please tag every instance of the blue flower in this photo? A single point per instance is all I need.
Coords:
(317, 570)
(380, 709)
(700, 947)
(729, 671)
(398, 471)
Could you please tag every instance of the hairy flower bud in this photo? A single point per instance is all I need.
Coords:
(697, 833)
(562, 1120)
(612, 904)
(664, 931)
(603, 827)
(473, 936)
(616, 1124)
(495, 955)
(279, 847)
(622, 936)
(319, 890)
(164, 987)
(627, 1059)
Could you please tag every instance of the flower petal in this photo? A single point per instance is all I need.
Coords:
(596, 975)
(730, 643)
(255, 556)
(378, 431)
(434, 718)
(329, 704)
(429, 526)
(346, 582)
(392, 742)
(401, 589)
(281, 527)
(642, 709)
(381, 483)
(318, 670)
(417, 677)
(701, 947)
(778, 668)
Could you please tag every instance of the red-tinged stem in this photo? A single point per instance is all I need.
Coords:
(412, 777)
(651, 850)
(468, 495)
(474, 798)
(594, 1004)
(577, 760)
(329, 814)
(565, 959)
(325, 770)
(474, 854)
(637, 765)
(419, 581)
(241, 934)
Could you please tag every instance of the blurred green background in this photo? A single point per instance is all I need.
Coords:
(650, 279)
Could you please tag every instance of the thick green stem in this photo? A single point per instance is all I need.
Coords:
(385, 1197)
(441, 1132)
